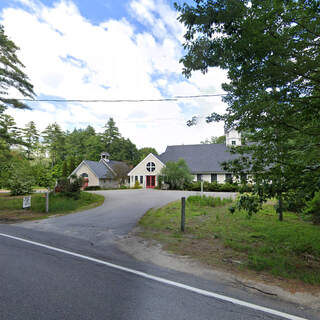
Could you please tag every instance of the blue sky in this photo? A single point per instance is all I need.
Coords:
(106, 49)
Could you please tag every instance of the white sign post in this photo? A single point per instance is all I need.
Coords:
(26, 202)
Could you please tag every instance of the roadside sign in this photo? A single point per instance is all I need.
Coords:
(26, 202)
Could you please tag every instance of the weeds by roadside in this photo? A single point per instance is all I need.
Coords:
(288, 249)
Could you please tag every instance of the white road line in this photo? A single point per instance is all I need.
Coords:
(162, 280)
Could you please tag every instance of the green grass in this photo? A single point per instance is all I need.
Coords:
(288, 249)
(11, 207)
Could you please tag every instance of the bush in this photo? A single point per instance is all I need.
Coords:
(70, 187)
(176, 174)
(92, 188)
(214, 186)
(123, 187)
(137, 185)
(313, 208)
(19, 187)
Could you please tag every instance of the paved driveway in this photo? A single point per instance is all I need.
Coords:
(115, 218)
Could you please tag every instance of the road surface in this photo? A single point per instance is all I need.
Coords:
(72, 269)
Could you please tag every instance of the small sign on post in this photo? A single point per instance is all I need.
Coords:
(183, 213)
(26, 202)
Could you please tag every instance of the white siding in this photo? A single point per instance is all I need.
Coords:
(233, 135)
(93, 180)
(221, 178)
(141, 170)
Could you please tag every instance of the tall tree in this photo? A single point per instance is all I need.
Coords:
(118, 147)
(9, 135)
(271, 52)
(54, 140)
(111, 133)
(11, 75)
(31, 138)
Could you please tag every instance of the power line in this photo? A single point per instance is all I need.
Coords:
(175, 98)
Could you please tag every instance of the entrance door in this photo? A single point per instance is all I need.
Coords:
(151, 181)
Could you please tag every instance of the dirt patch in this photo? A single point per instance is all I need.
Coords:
(289, 290)
(12, 216)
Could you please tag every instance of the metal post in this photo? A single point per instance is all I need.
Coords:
(183, 213)
(47, 201)
(201, 188)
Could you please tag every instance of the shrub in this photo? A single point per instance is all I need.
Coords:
(313, 208)
(176, 174)
(92, 188)
(214, 186)
(250, 203)
(20, 187)
(70, 187)
(137, 185)
(123, 187)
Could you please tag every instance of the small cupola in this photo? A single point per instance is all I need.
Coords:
(105, 156)
(233, 137)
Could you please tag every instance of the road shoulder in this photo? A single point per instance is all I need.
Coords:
(151, 251)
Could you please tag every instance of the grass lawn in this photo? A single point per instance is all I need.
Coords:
(288, 249)
(11, 206)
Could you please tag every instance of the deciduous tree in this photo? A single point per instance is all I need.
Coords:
(270, 50)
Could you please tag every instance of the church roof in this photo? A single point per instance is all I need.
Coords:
(200, 158)
(99, 169)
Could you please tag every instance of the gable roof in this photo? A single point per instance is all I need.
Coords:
(99, 169)
(199, 157)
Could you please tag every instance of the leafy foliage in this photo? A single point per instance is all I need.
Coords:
(176, 174)
(20, 180)
(313, 208)
(70, 187)
(271, 52)
(137, 185)
(11, 74)
(143, 152)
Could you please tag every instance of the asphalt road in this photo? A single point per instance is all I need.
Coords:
(41, 283)
(115, 218)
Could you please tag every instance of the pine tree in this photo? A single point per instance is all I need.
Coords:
(31, 138)
(11, 74)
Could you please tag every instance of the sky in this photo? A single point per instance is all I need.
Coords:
(115, 50)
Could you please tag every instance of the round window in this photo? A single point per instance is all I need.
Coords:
(151, 166)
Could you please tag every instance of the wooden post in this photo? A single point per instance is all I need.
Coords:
(183, 213)
(201, 188)
(47, 201)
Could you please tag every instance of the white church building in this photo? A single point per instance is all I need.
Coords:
(203, 160)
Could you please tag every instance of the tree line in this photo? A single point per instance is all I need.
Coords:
(43, 157)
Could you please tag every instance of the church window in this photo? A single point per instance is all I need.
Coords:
(151, 166)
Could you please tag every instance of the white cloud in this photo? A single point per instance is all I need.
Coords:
(69, 57)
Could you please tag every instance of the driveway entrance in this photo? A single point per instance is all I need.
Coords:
(120, 213)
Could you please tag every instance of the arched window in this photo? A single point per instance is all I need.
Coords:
(84, 175)
(151, 166)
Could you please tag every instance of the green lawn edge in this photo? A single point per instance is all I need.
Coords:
(283, 250)
(11, 212)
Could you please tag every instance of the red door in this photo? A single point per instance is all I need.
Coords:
(151, 181)
(85, 183)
